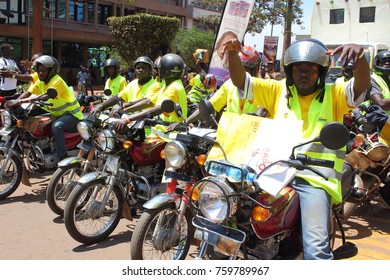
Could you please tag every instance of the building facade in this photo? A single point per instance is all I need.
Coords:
(72, 31)
(336, 21)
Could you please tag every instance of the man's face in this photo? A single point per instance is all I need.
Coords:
(142, 70)
(384, 62)
(7, 52)
(305, 76)
(42, 72)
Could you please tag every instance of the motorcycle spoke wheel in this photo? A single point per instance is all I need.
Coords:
(150, 240)
(60, 186)
(82, 218)
(12, 175)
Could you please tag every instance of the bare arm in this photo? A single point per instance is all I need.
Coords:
(236, 70)
(361, 70)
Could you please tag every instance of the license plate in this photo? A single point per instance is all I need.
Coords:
(225, 240)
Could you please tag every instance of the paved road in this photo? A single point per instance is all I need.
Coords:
(30, 231)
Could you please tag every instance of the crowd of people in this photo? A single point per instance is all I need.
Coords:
(300, 93)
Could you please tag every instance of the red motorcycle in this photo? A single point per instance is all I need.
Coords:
(130, 175)
(234, 214)
(27, 143)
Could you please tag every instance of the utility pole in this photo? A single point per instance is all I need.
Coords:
(287, 29)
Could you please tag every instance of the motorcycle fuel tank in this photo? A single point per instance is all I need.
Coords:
(147, 151)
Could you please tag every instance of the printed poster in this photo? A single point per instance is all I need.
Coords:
(255, 141)
(233, 24)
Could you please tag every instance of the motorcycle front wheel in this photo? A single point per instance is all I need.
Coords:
(12, 175)
(84, 220)
(60, 186)
(152, 234)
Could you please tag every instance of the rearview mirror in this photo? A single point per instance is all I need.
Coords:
(107, 92)
(168, 106)
(206, 110)
(334, 135)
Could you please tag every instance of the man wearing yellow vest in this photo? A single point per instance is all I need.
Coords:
(170, 71)
(137, 89)
(115, 82)
(303, 95)
(381, 77)
(65, 110)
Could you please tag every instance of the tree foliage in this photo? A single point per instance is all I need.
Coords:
(187, 41)
(140, 34)
(264, 12)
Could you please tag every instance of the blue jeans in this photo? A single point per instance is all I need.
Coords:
(315, 206)
(59, 126)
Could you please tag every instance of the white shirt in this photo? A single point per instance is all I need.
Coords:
(8, 83)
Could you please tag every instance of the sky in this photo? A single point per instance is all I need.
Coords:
(257, 41)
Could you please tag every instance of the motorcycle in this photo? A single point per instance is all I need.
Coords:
(370, 157)
(131, 174)
(28, 139)
(164, 230)
(70, 169)
(235, 215)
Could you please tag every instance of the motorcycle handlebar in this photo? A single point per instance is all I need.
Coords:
(305, 160)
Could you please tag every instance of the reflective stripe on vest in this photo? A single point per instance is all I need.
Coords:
(320, 114)
(64, 105)
(384, 88)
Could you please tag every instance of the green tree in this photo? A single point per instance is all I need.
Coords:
(140, 34)
(187, 41)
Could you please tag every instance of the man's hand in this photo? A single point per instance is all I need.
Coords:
(232, 45)
(96, 110)
(12, 103)
(377, 116)
(121, 125)
(349, 52)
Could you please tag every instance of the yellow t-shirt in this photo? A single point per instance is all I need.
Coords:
(268, 93)
(134, 91)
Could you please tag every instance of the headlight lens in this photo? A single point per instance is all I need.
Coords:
(216, 200)
(85, 130)
(106, 140)
(6, 118)
(175, 153)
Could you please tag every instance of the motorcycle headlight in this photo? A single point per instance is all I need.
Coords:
(85, 129)
(106, 140)
(216, 200)
(175, 153)
(6, 118)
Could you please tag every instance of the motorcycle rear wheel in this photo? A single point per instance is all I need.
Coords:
(60, 186)
(81, 217)
(12, 176)
(153, 230)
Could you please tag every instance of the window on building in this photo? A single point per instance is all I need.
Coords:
(104, 12)
(76, 11)
(336, 16)
(61, 9)
(91, 12)
(367, 14)
(13, 12)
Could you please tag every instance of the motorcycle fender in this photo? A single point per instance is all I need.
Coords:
(161, 200)
(91, 177)
(70, 161)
